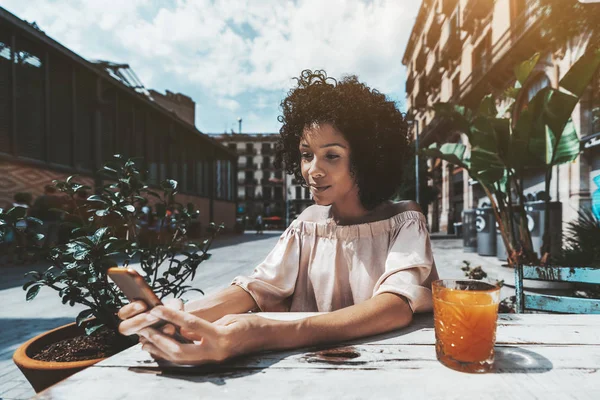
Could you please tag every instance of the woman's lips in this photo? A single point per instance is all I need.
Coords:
(319, 189)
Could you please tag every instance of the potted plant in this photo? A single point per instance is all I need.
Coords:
(503, 144)
(106, 229)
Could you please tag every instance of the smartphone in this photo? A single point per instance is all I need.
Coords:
(135, 288)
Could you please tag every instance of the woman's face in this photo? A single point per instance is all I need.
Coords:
(325, 164)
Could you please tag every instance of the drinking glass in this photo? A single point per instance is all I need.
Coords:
(465, 313)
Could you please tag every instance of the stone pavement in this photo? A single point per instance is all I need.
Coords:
(20, 320)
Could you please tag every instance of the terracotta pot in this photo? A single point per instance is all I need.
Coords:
(42, 374)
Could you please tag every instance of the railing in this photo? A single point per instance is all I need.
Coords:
(518, 28)
(277, 182)
(246, 152)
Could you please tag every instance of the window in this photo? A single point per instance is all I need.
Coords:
(278, 193)
(30, 99)
(60, 145)
(85, 99)
(5, 100)
(298, 192)
(596, 103)
(306, 193)
(231, 146)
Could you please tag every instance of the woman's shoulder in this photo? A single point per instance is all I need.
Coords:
(314, 213)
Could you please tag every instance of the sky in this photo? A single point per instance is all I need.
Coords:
(234, 58)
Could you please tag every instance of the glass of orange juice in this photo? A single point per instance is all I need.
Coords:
(465, 314)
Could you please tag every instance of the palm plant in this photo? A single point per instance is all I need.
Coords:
(505, 143)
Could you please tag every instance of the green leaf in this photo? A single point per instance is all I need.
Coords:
(487, 107)
(454, 153)
(32, 292)
(85, 314)
(34, 221)
(91, 329)
(17, 212)
(102, 213)
(96, 197)
(99, 234)
(524, 69)
(577, 79)
(569, 146)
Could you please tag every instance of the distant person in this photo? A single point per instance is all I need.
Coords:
(15, 242)
(259, 225)
(47, 208)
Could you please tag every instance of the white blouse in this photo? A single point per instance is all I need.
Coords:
(321, 266)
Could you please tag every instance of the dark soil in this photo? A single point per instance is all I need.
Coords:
(102, 343)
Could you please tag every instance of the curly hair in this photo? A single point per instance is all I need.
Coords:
(373, 126)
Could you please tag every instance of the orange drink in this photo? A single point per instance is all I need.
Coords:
(465, 314)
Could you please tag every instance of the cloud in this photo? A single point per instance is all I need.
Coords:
(229, 104)
(229, 48)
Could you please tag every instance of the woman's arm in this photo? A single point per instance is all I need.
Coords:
(234, 335)
(231, 300)
(382, 313)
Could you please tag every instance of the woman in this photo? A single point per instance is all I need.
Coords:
(365, 260)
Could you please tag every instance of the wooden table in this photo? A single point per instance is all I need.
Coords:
(538, 356)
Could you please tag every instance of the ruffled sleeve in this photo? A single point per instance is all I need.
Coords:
(409, 265)
(273, 281)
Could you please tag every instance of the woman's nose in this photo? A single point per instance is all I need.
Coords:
(316, 170)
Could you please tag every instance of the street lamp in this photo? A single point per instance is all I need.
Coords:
(240, 124)
(415, 122)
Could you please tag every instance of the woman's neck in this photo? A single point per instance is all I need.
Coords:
(352, 214)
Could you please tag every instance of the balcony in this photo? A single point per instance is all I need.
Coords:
(452, 49)
(246, 152)
(410, 83)
(248, 182)
(421, 99)
(433, 35)
(474, 13)
(271, 182)
(448, 7)
(420, 61)
(267, 166)
(515, 45)
(246, 166)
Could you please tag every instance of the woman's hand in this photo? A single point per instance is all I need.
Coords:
(230, 336)
(134, 318)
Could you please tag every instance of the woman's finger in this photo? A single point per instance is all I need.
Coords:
(185, 320)
(175, 304)
(135, 324)
(154, 351)
(167, 344)
(169, 329)
(132, 309)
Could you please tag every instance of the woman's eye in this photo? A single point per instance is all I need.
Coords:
(305, 155)
(332, 156)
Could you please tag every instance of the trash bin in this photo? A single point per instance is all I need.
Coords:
(458, 229)
(469, 231)
(486, 231)
(500, 247)
(536, 211)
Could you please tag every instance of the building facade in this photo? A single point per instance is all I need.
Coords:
(264, 189)
(62, 115)
(183, 106)
(460, 50)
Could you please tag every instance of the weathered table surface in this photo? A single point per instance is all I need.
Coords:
(538, 356)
